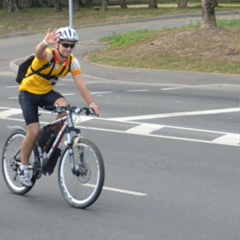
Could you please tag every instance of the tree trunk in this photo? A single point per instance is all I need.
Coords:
(35, 3)
(76, 5)
(89, 3)
(1, 4)
(57, 6)
(123, 4)
(182, 3)
(152, 4)
(104, 5)
(208, 14)
(13, 6)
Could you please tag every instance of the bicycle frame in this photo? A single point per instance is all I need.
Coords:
(67, 128)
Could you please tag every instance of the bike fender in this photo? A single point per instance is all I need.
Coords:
(75, 141)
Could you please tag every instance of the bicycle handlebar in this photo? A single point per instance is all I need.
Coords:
(77, 110)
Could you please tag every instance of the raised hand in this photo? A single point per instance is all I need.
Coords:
(51, 38)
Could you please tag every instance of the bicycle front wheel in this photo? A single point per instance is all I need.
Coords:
(82, 188)
(11, 159)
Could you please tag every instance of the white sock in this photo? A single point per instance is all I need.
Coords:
(24, 167)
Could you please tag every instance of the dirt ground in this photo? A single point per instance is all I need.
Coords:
(210, 50)
(209, 44)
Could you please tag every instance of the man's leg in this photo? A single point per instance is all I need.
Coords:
(29, 141)
(27, 147)
(61, 102)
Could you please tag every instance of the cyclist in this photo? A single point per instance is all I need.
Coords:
(36, 91)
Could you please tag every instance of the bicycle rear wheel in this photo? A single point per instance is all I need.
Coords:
(11, 159)
(83, 188)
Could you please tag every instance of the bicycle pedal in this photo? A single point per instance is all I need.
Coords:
(38, 175)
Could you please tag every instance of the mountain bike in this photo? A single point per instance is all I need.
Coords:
(81, 167)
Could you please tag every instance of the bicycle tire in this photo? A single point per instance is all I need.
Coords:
(9, 168)
(82, 189)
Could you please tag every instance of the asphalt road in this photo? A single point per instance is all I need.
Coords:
(170, 143)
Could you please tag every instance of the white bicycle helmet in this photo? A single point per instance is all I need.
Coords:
(67, 34)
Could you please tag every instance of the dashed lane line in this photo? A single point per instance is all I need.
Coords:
(138, 90)
(140, 194)
(171, 88)
(104, 92)
(125, 191)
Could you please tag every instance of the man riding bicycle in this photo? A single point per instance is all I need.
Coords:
(37, 91)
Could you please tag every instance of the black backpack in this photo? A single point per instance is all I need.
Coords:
(23, 67)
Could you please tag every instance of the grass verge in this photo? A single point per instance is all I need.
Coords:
(179, 49)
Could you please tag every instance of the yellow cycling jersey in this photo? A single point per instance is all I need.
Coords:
(38, 85)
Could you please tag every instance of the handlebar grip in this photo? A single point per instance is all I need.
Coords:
(91, 112)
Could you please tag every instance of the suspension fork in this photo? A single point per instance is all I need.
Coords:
(72, 160)
(71, 142)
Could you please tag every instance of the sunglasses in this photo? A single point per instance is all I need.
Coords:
(67, 45)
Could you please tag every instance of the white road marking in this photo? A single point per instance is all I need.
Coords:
(231, 143)
(172, 88)
(10, 112)
(230, 138)
(101, 92)
(94, 77)
(85, 119)
(118, 190)
(68, 94)
(13, 98)
(124, 191)
(87, 82)
(176, 114)
(139, 90)
(7, 74)
(146, 129)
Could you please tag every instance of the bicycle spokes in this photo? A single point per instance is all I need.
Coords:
(83, 172)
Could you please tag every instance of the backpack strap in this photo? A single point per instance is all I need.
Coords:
(48, 76)
(69, 67)
(38, 72)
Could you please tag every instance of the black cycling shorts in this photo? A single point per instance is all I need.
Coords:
(30, 103)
